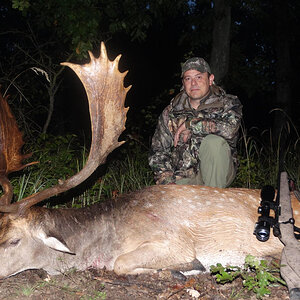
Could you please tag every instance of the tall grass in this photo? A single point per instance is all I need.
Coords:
(129, 170)
(29, 183)
(259, 158)
(129, 174)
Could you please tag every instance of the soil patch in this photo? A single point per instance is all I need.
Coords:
(102, 284)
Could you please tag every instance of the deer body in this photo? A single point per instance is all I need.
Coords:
(154, 228)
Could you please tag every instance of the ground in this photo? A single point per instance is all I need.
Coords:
(102, 284)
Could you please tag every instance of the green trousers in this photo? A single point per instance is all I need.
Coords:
(216, 166)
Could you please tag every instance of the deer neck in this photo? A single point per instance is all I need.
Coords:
(91, 233)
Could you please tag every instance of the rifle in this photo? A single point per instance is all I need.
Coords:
(284, 228)
(265, 221)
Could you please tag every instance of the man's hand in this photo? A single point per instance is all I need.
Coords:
(209, 126)
(186, 134)
(165, 178)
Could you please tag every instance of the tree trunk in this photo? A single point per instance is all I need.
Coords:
(283, 68)
(219, 61)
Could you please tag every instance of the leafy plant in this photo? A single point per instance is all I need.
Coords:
(257, 275)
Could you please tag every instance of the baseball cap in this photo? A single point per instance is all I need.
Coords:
(196, 63)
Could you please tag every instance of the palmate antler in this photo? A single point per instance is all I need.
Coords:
(11, 143)
(104, 85)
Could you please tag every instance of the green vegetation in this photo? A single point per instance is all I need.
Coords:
(259, 159)
(70, 286)
(28, 289)
(257, 275)
(97, 295)
(127, 168)
(57, 156)
(60, 157)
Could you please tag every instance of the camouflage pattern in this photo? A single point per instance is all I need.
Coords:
(219, 113)
(195, 63)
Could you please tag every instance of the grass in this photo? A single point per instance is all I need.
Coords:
(128, 170)
(71, 286)
(59, 158)
(27, 290)
(259, 159)
(97, 295)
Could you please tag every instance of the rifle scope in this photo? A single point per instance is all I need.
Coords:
(265, 222)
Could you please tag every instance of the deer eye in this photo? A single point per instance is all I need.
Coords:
(14, 242)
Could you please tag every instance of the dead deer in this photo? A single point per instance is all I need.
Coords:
(158, 227)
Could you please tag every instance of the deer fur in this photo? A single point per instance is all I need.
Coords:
(155, 228)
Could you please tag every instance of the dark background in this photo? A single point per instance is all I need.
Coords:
(154, 38)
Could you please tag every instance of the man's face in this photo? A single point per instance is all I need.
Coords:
(196, 84)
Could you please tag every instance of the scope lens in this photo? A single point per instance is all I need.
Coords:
(262, 234)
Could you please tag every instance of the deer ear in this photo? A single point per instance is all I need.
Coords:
(54, 241)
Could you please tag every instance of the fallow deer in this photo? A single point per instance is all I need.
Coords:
(158, 227)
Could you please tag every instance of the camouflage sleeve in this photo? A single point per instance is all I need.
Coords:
(225, 124)
(160, 153)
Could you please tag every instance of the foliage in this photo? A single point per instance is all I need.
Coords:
(146, 122)
(62, 156)
(127, 168)
(101, 19)
(154, 36)
(259, 158)
(57, 154)
(257, 275)
(98, 295)
(250, 174)
(46, 33)
(58, 157)
(28, 289)
(129, 171)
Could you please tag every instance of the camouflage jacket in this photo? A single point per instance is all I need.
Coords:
(219, 113)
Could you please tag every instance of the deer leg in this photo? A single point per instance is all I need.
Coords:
(152, 256)
(195, 264)
(177, 271)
